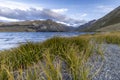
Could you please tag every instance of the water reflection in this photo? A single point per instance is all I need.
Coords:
(12, 39)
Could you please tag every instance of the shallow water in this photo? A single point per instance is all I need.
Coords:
(12, 39)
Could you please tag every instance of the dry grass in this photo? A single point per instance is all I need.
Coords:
(54, 58)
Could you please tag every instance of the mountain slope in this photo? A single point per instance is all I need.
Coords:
(37, 26)
(85, 26)
(110, 19)
(115, 27)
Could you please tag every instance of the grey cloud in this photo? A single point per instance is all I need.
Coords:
(35, 14)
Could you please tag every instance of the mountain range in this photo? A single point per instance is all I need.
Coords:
(110, 22)
(34, 26)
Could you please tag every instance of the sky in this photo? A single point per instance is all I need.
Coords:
(70, 12)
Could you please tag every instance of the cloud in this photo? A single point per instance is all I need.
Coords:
(7, 19)
(18, 11)
(79, 16)
(61, 11)
(105, 9)
(18, 5)
(84, 15)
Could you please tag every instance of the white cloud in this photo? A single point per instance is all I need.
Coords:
(79, 16)
(61, 11)
(63, 23)
(17, 5)
(84, 15)
(8, 14)
(105, 9)
(7, 19)
(14, 11)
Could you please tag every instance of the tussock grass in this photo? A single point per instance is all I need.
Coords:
(109, 37)
(57, 58)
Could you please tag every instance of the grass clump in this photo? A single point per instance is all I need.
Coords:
(69, 51)
(57, 58)
(109, 38)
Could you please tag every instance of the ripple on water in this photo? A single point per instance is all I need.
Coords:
(11, 39)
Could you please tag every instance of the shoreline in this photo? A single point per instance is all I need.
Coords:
(64, 57)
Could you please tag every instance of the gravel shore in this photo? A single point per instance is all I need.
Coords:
(106, 67)
(109, 67)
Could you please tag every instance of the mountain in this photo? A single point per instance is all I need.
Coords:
(114, 27)
(85, 26)
(110, 22)
(34, 26)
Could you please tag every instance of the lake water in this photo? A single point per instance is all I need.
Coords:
(12, 39)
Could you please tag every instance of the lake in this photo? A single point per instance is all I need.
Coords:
(12, 39)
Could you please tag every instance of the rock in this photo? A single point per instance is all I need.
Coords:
(110, 69)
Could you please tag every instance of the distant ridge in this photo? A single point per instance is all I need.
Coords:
(85, 26)
(34, 26)
(109, 22)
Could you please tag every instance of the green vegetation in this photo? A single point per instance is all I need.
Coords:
(114, 27)
(109, 37)
(54, 58)
(110, 22)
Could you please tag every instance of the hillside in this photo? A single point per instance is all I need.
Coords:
(115, 27)
(85, 26)
(34, 26)
(109, 21)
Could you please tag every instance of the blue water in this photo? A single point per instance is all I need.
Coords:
(13, 39)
